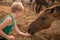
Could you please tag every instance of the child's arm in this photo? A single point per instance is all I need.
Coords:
(19, 32)
(6, 22)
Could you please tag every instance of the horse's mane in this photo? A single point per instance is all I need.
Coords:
(52, 7)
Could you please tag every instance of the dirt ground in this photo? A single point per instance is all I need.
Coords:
(53, 33)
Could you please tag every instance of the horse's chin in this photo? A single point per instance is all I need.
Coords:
(30, 32)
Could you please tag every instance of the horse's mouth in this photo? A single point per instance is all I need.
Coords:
(31, 32)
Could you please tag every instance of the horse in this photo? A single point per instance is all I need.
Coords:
(39, 4)
(44, 19)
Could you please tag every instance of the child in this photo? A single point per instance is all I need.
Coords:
(7, 23)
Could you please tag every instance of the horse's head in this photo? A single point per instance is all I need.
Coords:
(44, 19)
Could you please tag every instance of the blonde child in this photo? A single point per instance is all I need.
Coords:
(8, 22)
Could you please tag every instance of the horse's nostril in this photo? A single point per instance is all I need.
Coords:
(30, 31)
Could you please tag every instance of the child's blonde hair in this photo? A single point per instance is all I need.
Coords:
(17, 6)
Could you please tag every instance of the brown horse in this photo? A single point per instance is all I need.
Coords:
(44, 19)
(39, 4)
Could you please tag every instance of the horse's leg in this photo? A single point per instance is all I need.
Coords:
(30, 3)
(36, 9)
(39, 8)
(53, 1)
(46, 4)
(14, 0)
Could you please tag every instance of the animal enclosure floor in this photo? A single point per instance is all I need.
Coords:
(24, 21)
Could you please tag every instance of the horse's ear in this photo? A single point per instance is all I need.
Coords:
(52, 10)
(58, 8)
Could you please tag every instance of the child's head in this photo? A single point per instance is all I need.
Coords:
(17, 6)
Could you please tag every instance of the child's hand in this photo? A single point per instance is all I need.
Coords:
(11, 38)
(26, 34)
